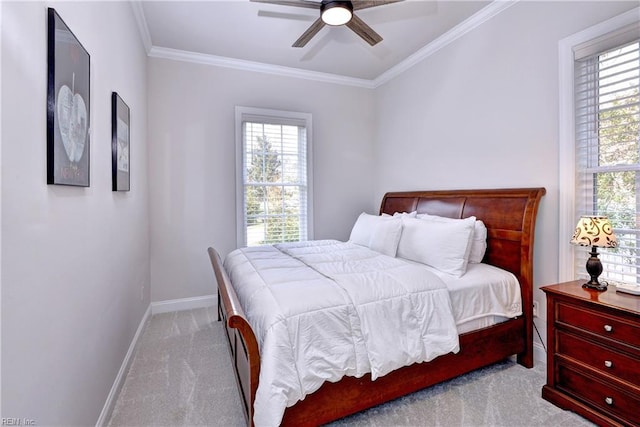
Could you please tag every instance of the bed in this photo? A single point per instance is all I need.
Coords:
(509, 216)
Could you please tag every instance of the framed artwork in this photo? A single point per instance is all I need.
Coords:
(68, 106)
(119, 144)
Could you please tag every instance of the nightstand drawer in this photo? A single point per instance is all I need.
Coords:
(601, 358)
(603, 324)
(592, 390)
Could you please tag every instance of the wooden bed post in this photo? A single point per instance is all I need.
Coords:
(526, 275)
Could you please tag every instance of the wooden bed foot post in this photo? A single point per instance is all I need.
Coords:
(219, 307)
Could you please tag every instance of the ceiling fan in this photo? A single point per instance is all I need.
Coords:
(335, 12)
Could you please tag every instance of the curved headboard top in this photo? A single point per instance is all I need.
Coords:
(509, 215)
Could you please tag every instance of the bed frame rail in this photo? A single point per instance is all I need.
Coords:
(336, 400)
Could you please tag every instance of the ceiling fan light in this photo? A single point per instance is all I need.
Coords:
(336, 12)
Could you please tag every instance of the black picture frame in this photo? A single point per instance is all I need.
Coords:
(68, 106)
(120, 144)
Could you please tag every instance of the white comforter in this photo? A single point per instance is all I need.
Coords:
(325, 309)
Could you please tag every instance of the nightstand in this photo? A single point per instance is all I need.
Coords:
(593, 355)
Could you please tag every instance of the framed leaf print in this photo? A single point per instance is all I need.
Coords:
(68, 106)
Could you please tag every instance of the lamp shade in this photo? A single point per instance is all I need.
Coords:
(336, 12)
(594, 231)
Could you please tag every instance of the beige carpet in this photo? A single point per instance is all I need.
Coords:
(181, 376)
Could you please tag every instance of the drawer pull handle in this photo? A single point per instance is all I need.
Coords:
(608, 363)
(608, 400)
(608, 328)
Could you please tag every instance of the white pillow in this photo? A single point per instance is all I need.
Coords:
(479, 238)
(411, 214)
(443, 245)
(363, 229)
(478, 243)
(386, 236)
(378, 233)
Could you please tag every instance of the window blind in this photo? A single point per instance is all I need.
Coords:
(275, 187)
(607, 118)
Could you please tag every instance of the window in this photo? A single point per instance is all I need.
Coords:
(607, 147)
(273, 179)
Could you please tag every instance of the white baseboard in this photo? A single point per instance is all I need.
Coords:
(539, 354)
(183, 304)
(539, 351)
(122, 373)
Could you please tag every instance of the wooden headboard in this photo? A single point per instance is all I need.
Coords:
(508, 214)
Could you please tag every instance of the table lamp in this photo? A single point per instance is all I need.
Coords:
(597, 232)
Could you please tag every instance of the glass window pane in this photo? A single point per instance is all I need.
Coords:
(275, 179)
(607, 155)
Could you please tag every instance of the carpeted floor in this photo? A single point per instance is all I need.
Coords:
(181, 376)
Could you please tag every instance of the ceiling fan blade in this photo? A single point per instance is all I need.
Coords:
(282, 15)
(363, 30)
(308, 35)
(365, 4)
(297, 3)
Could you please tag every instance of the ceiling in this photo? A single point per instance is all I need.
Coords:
(260, 34)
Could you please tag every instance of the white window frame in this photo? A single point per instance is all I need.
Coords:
(241, 113)
(566, 136)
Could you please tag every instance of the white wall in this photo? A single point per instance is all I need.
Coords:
(192, 162)
(483, 113)
(73, 259)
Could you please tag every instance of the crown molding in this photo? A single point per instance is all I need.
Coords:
(474, 21)
(259, 67)
(477, 19)
(138, 14)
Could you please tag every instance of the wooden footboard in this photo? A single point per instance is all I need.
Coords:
(242, 341)
(509, 215)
